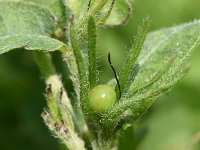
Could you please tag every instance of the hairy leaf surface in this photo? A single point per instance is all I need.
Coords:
(29, 42)
(161, 48)
(25, 25)
(56, 7)
(162, 64)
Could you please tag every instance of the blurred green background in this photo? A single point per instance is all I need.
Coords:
(173, 123)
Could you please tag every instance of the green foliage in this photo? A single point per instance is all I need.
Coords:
(56, 7)
(174, 48)
(118, 12)
(162, 63)
(92, 52)
(153, 65)
(29, 42)
(132, 56)
(26, 33)
(83, 79)
(29, 16)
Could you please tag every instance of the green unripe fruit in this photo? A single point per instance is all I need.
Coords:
(102, 98)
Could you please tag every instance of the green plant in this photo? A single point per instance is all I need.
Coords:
(155, 62)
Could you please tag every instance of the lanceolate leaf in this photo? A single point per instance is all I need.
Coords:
(25, 25)
(83, 79)
(138, 104)
(161, 46)
(132, 57)
(92, 52)
(164, 49)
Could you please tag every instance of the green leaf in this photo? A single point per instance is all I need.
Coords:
(162, 46)
(118, 12)
(24, 25)
(25, 18)
(77, 7)
(97, 6)
(29, 42)
(132, 57)
(164, 55)
(56, 7)
(92, 52)
(83, 80)
(138, 104)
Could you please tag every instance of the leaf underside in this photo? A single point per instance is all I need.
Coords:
(28, 42)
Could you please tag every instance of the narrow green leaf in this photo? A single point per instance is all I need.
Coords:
(140, 103)
(152, 79)
(133, 74)
(82, 16)
(75, 7)
(83, 80)
(174, 44)
(97, 6)
(132, 56)
(92, 52)
(160, 46)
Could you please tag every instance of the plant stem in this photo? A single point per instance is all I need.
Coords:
(59, 116)
(43, 61)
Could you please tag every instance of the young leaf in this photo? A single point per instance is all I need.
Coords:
(75, 7)
(92, 52)
(152, 79)
(97, 6)
(140, 103)
(160, 46)
(83, 80)
(132, 56)
(176, 42)
(117, 12)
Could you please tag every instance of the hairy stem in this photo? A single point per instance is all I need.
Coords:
(59, 115)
